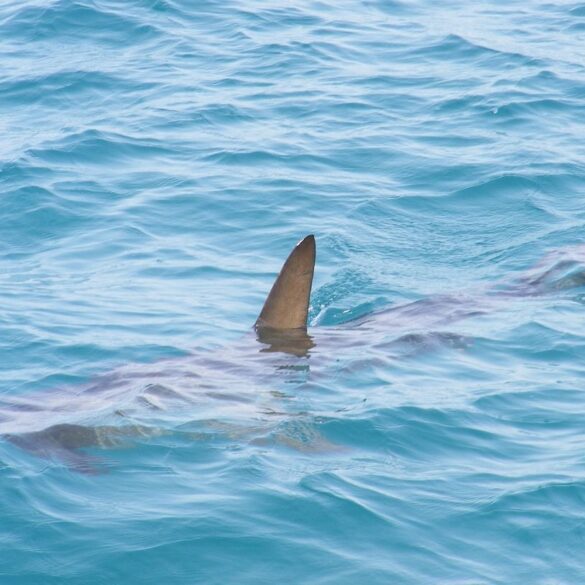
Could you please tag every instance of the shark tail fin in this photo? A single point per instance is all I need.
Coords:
(287, 304)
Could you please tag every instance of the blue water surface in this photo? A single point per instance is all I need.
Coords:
(159, 159)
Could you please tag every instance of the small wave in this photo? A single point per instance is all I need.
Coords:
(457, 48)
(51, 89)
(69, 19)
(98, 147)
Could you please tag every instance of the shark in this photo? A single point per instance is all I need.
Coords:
(231, 393)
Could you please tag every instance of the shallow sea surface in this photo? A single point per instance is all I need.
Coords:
(158, 161)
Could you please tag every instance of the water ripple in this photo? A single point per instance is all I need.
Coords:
(159, 158)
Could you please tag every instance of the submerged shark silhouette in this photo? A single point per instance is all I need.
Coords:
(150, 400)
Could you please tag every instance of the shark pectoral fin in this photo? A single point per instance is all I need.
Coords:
(62, 443)
(287, 304)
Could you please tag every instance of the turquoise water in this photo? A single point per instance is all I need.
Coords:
(158, 161)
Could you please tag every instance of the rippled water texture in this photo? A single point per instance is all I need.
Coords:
(159, 159)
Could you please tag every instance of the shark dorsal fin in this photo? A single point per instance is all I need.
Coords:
(287, 304)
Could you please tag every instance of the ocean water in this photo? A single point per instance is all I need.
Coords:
(159, 159)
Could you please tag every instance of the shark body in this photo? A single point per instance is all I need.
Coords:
(232, 393)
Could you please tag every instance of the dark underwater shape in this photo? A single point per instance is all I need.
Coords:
(237, 383)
